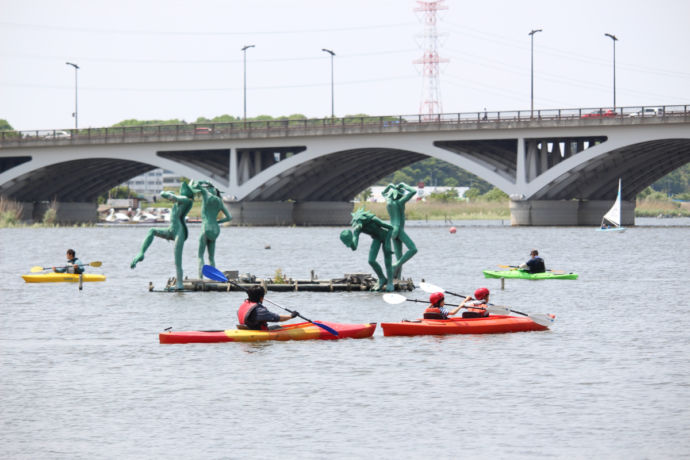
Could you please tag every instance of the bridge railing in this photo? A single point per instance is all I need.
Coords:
(349, 124)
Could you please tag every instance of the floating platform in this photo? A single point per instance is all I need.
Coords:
(348, 283)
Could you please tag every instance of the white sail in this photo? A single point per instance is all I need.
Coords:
(614, 214)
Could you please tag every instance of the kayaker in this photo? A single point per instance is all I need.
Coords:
(476, 308)
(253, 315)
(535, 264)
(74, 265)
(437, 310)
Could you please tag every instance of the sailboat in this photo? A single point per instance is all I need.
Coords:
(611, 222)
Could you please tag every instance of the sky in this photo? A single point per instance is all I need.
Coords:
(168, 59)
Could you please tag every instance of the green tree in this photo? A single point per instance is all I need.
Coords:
(473, 193)
(5, 126)
(495, 194)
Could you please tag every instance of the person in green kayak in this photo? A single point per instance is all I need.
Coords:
(253, 315)
(535, 264)
(74, 265)
(177, 231)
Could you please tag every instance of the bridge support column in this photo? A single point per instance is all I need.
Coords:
(566, 212)
(67, 213)
(283, 213)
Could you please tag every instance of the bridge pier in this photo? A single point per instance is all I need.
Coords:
(336, 213)
(67, 212)
(566, 212)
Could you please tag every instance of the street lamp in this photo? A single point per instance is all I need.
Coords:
(332, 96)
(244, 50)
(531, 34)
(76, 112)
(615, 39)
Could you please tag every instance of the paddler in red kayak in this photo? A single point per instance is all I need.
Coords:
(476, 308)
(253, 315)
(437, 310)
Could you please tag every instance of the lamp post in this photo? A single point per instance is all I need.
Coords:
(531, 34)
(244, 50)
(76, 111)
(615, 39)
(332, 96)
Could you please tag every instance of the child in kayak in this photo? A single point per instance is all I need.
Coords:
(476, 308)
(437, 310)
(253, 315)
(74, 265)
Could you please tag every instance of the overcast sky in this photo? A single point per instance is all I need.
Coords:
(151, 59)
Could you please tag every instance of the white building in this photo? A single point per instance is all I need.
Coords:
(152, 183)
(422, 192)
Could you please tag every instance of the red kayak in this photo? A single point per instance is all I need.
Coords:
(494, 324)
(297, 331)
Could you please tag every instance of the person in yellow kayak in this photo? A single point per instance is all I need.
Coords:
(437, 309)
(535, 264)
(253, 315)
(74, 265)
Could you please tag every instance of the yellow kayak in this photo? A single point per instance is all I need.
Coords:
(61, 277)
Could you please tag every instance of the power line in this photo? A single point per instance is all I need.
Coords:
(206, 33)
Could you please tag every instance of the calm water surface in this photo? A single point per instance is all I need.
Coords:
(82, 374)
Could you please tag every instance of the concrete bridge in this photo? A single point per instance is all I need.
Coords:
(560, 167)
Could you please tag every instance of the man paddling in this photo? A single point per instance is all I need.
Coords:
(253, 315)
(74, 265)
(535, 264)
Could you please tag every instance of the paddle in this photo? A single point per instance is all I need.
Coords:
(515, 267)
(40, 269)
(217, 275)
(539, 318)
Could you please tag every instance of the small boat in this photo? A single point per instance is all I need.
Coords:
(522, 274)
(297, 331)
(61, 277)
(611, 222)
(494, 324)
(116, 216)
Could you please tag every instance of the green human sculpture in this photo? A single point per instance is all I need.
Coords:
(211, 205)
(396, 197)
(380, 232)
(177, 231)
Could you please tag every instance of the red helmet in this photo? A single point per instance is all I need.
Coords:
(436, 298)
(481, 293)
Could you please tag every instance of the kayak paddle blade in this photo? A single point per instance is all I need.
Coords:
(326, 328)
(37, 269)
(214, 274)
(393, 299)
(542, 319)
(430, 288)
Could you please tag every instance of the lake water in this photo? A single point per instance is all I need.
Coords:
(82, 374)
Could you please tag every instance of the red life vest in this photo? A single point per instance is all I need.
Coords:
(433, 312)
(480, 310)
(245, 310)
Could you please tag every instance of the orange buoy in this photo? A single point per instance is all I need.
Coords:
(453, 229)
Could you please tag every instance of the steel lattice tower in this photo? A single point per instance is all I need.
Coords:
(430, 106)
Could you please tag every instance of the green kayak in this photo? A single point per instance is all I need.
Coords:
(548, 275)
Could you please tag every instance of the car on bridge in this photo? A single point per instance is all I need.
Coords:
(648, 112)
(601, 113)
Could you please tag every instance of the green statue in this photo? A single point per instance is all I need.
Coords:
(396, 197)
(380, 232)
(177, 231)
(211, 205)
